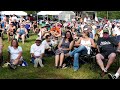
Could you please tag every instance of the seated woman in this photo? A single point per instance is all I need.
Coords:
(65, 45)
(84, 44)
(22, 33)
(14, 54)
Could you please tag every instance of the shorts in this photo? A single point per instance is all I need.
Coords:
(106, 54)
(58, 51)
(11, 61)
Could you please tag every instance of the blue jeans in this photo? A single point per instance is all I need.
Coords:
(76, 53)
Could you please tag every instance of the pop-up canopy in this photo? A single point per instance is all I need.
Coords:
(13, 12)
(49, 12)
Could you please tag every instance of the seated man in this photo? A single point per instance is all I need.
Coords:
(37, 51)
(48, 43)
(106, 48)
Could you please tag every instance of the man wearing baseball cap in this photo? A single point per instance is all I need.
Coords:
(37, 51)
(106, 48)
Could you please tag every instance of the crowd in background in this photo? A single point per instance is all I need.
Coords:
(61, 39)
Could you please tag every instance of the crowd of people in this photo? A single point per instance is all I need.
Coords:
(62, 39)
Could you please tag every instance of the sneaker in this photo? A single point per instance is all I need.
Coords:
(6, 65)
(56, 67)
(64, 66)
(111, 76)
(12, 66)
(75, 70)
(60, 66)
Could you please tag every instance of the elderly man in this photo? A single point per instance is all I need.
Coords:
(107, 51)
(37, 51)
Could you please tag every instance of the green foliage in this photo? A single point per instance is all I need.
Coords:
(111, 14)
(32, 12)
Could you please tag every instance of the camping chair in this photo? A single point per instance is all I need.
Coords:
(83, 58)
(89, 58)
(117, 62)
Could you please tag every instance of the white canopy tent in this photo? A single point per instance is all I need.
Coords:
(49, 12)
(13, 12)
(53, 13)
(66, 15)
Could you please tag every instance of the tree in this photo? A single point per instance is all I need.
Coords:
(31, 12)
(111, 14)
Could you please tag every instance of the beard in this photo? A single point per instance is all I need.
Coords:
(105, 36)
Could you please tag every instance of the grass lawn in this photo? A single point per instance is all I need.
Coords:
(47, 72)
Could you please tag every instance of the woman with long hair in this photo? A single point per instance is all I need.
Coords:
(64, 46)
(84, 45)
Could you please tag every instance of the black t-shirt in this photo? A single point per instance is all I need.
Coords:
(107, 45)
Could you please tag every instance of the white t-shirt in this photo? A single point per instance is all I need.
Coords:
(85, 19)
(46, 44)
(37, 50)
(116, 31)
(14, 52)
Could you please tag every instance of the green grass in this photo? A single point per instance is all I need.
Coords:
(47, 72)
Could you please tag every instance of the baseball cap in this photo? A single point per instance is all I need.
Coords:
(38, 39)
(105, 31)
(85, 29)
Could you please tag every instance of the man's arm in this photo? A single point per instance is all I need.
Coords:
(32, 51)
(98, 45)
